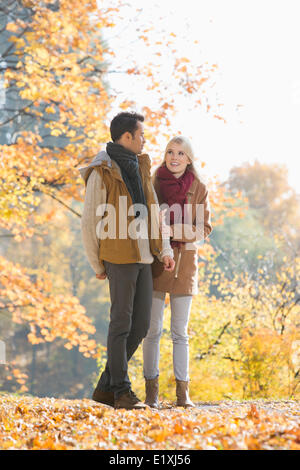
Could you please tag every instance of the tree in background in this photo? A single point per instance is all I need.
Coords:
(244, 343)
(274, 202)
(269, 232)
(50, 367)
(58, 76)
(53, 117)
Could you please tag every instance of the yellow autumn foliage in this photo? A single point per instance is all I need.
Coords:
(243, 344)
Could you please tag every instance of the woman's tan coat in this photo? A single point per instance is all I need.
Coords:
(184, 278)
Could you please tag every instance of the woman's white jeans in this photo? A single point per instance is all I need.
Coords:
(180, 311)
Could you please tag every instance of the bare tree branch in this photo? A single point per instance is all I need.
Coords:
(63, 203)
(215, 343)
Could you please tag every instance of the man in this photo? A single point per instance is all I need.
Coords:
(115, 180)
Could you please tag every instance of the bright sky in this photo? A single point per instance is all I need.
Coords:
(256, 46)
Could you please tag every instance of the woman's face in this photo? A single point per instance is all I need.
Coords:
(176, 159)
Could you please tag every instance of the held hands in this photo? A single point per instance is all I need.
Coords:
(169, 263)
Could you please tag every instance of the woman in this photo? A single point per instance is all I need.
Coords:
(176, 181)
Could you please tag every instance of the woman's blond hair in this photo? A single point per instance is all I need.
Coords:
(188, 150)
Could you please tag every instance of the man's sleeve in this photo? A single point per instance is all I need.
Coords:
(95, 194)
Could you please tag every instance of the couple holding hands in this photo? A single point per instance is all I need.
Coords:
(143, 265)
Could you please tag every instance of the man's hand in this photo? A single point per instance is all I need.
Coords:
(101, 276)
(169, 263)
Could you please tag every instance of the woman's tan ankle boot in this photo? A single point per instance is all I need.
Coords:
(151, 386)
(182, 394)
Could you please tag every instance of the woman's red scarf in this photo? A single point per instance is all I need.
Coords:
(174, 191)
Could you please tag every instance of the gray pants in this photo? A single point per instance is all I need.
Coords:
(131, 289)
(180, 311)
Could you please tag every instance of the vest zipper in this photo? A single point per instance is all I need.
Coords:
(178, 263)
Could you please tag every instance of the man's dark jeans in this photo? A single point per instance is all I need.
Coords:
(131, 289)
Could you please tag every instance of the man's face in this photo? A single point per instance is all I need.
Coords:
(135, 143)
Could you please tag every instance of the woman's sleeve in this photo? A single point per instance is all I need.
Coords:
(198, 231)
(166, 246)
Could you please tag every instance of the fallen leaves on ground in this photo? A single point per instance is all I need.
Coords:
(49, 423)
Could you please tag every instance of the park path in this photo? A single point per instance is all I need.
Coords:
(50, 423)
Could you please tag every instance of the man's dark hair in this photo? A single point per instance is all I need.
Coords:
(124, 122)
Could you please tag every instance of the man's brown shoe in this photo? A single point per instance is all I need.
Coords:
(107, 398)
(129, 401)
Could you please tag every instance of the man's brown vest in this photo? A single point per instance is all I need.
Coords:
(125, 250)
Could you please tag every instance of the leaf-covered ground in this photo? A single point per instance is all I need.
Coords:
(48, 423)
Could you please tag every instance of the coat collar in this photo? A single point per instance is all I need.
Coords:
(193, 186)
(103, 159)
(144, 165)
